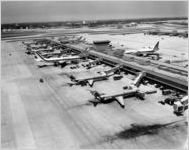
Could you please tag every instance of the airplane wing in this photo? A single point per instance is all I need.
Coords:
(121, 101)
(91, 82)
(37, 58)
(94, 102)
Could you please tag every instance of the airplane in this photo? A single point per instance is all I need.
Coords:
(43, 48)
(48, 54)
(33, 50)
(146, 51)
(59, 60)
(37, 46)
(28, 42)
(90, 80)
(57, 53)
(119, 96)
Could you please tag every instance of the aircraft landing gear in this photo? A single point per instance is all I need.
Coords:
(140, 96)
(56, 64)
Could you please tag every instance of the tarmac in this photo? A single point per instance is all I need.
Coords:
(170, 48)
(51, 114)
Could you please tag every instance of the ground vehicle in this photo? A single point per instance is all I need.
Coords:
(180, 106)
(146, 51)
(117, 77)
(166, 92)
(170, 100)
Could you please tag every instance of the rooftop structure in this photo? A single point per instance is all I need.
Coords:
(101, 42)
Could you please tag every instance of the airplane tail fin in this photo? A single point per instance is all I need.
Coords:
(156, 47)
(90, 82)
(121, 101)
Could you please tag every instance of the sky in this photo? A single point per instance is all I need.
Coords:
(43, 11)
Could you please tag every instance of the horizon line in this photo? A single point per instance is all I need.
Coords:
(75, 20)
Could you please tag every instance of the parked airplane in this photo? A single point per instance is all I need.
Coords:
(146, 51)
(48, 54)
(32, 50)
(44, 48)
(59, 60)
(57, 52)
(118, 96)
(103, 76)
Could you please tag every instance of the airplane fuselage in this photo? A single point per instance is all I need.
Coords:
(145, 53)
(41, 50)
(95, 78)
(57, 59)
(69, 58)
(123, 94)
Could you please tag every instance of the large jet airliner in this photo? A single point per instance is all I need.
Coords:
(146, 51)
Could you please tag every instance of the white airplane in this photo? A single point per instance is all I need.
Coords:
(52, 53)
(119, 96)
(33, 50)
(57, 52)
(146, 51)
(58, 60)
(103, 76)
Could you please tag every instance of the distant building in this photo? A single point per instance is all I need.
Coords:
(132, 24)
(101, 42)
(84, 22)
(102, 46)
